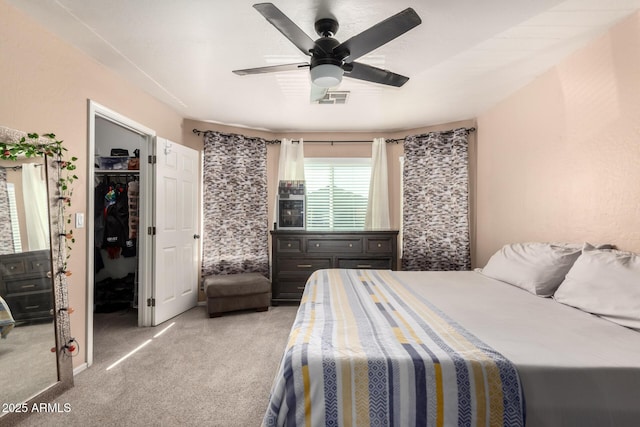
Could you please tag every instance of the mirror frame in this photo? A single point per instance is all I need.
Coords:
(57, 199)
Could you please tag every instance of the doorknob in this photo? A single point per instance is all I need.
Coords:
(196, 236)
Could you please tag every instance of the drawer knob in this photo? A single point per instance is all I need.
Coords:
(288, 245)
(364, 266)
(317, 245)
(13, 267)
(379, 245)
(27, 286)
(350, 245)
(305, 265)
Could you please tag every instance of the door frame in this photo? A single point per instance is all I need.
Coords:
(145, 242)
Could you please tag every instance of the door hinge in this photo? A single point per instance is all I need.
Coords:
(151, 302)
(151, 231)
(152, 159)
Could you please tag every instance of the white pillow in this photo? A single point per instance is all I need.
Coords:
(536, 267)
(605, 283)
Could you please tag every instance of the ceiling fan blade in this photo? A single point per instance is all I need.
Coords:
(272, 69)
(317, 92)
(357, 70)
(378, 35)
(286, 26)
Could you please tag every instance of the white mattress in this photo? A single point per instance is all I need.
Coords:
(576, 369)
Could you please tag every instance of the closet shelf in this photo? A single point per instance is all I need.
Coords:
(117, 171)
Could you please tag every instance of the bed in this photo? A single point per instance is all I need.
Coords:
(6, 320)
(376, 347)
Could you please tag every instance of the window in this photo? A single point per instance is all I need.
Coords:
(337, 192)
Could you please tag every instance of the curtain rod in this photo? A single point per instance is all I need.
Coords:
(332, 141)
(389, 140)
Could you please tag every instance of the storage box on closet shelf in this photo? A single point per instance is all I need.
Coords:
(118, 163)
(113, 162)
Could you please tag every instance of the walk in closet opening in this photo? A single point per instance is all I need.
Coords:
(118, 212)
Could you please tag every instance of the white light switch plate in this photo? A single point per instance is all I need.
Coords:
(79, 220)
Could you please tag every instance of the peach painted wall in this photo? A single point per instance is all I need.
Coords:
(45, 86)
(560, 159)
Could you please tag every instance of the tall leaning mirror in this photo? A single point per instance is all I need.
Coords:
(35, 346)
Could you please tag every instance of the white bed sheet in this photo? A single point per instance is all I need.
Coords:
(576, 369)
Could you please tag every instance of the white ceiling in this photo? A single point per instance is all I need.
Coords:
(464, 57)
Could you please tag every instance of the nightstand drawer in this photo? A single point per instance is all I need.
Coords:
(364, 263)
(27, 285)
(303, 264)
(334, 245)
(379, 245)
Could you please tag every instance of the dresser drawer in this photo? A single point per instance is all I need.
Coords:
(28, 306)
(27, 285)
(38, 265)
(291, 288)
(297, 254)
(290, 244)
(365, 263)
(13, 267)
(347, 245)
(379, 245)
(303, 264)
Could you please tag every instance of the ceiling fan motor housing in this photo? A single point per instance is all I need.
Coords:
(323, 52)
(326, 66)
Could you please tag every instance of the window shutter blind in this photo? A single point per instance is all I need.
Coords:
(337, 192)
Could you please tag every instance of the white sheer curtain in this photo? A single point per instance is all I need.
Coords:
(36, 206)
(378, 208)
(290, 165)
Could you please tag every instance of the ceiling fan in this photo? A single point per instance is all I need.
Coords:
(330, 59)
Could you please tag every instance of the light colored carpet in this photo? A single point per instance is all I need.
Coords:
(26, 362)
(200, 372)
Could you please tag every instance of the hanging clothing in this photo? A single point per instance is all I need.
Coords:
(116, 213)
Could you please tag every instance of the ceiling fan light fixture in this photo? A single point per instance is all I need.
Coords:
(326, 75)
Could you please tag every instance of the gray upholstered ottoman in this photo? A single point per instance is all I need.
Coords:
(230, 292)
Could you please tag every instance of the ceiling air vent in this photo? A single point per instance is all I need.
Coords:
(335, 97)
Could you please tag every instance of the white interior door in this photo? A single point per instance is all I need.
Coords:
(176, 223)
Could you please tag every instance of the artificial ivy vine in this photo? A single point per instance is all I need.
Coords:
(32, 146)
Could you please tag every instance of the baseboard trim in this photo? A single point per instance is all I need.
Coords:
(80, 368)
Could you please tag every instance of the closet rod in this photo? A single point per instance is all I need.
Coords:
(17, 168)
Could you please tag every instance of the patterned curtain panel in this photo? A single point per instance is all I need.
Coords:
(436, 202)
(235, 205)
(6, 233)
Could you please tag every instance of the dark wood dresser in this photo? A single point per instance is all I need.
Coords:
(297, 254)
(25, 285)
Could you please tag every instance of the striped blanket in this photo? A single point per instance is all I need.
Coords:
(365, 350)
(6, 320)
